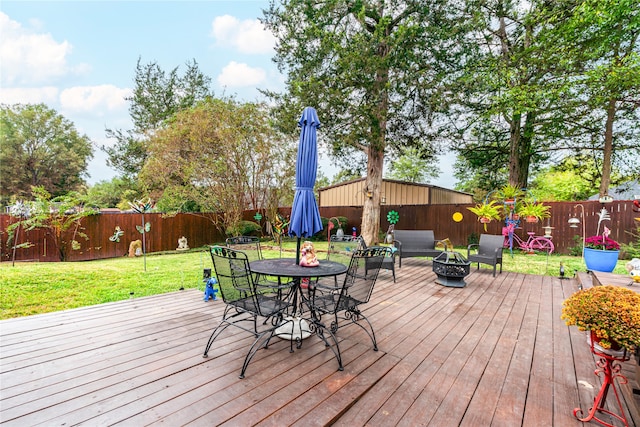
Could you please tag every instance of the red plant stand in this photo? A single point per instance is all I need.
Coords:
(609, 364)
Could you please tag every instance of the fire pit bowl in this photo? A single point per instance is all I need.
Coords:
(451, 269)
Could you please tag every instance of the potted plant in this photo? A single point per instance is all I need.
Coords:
(487, 212)
(510, 193)
(610, 313)
(601, 252)
(534, 212)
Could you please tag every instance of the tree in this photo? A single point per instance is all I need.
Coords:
(508, 91)
(372, 69)
(115, 193)
(575, 178)
(605, 34)
(536, 86)
(39, 147)
(157, 96)
(412, 167)
(223, 156)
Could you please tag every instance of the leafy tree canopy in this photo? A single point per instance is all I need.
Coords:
(40, 148)
(220, 156)
(157, 96)
(115, 193)
(413, 167)
(372, 69)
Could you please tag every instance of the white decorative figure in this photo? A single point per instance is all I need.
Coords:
(182, 244)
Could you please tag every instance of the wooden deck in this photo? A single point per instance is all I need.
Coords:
(492, 354)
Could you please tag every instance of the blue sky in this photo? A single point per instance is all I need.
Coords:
(79, 57)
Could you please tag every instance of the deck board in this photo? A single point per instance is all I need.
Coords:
(494, 353)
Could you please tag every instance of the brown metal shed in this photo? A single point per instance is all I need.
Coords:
(351, 193)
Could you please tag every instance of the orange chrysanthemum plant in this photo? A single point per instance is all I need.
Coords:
(612, 313)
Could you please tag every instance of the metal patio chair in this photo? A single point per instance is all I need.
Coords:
(333, 307)
(245, 303)
(250, 245)
(389, 262)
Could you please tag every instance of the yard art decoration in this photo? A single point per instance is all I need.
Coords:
(633, 267)
(183, 244)
(116, 235)
(210, 290)
(457, 216)
(279, 227)
(393, 217)
(142, 207)
(146, 229)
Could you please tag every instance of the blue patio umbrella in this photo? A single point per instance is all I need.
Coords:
(305, 217)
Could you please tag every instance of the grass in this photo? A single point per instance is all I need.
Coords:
(30, 288)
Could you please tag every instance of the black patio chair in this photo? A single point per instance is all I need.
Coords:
(343, 302)
(342, 245)
(389, 262)
(245, 302)
(250, 245)
(488, 250)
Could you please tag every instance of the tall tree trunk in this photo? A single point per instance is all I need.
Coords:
(520, 140)
(370, 226)
(524, 150)
(608, 148)
(514, 150)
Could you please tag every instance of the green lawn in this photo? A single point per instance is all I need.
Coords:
(31, 288)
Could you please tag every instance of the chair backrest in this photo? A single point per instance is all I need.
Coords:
(416, 238)
(489, 243)
(250, 245)
(362, 274)
(343, 245)
(232, 270)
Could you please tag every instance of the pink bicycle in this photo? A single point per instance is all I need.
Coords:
(531, 245)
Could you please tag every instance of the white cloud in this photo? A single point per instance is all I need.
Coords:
(96, 99)
(46, 95)
(29, 57)
(248, 36)
(241, 75)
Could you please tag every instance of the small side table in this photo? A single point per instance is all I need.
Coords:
(451, 269)
(609, 364)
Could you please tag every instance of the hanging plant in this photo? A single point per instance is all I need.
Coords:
(487, 212)
(533, 212)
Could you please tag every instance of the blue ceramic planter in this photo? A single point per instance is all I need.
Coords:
(599, 260)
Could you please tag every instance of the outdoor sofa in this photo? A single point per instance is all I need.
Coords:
(415, 243)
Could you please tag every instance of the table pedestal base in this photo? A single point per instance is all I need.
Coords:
(294, 329)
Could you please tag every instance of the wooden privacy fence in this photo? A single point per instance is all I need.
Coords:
(199, 229)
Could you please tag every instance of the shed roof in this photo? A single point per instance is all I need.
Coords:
(630, 190)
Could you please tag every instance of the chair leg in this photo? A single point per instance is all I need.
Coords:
(224, 323)
(319, 329)
(253, 349)
(216, 332)
(355, 316)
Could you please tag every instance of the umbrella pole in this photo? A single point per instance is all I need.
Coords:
(298, 252)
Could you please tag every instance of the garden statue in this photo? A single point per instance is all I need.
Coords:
(309, 258)
(210, 291)
(182, 244)
(633, 267)
(135, 248)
